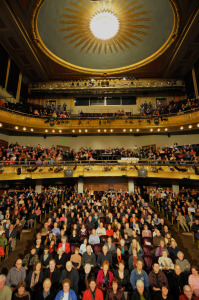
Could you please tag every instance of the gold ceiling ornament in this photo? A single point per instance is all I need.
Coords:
(127, 16)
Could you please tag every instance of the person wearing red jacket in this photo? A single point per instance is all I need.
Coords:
(65, 246)
(104, 278)
(188, 294)
(93, 292)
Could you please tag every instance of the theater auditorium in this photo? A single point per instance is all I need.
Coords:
(99, 150)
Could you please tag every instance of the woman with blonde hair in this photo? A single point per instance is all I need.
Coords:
(135, 244)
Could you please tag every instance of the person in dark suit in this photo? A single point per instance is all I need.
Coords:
(47, 293)
(71, 274)
(53, 274)
(11, 234)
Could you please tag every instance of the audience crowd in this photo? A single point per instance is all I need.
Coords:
(104, 246)
(54, 110)
(38, 155)
(174, 107)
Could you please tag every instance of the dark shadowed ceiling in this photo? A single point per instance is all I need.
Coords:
(51, 39)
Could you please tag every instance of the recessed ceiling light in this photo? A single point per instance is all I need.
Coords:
(80, 130)
(151, 129)
(111, 130)
(31, 129)
(60, 131)
(46, 130)
(104, 130)
(53, 131)
(1, 125)
(73, 130)
(131, 130)
(24, 128)
(137, 130)
(197, 125)
(181, 128)
(190, 126)
(158, 129)
(98, 130)
(124, 130)
(86, 130)
(16, 127)
(166, 129)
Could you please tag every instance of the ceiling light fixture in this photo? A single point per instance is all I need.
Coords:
(190, 126)
(166, 129)
(53, 131)
(46, 130)
(181, 128)
(98, 130)
(60, 131)
(32, 129)
(137, 130)
(158, 129)
(151, 129)
(86, 130)
(104, 25)
(24, 128)
(16, 127)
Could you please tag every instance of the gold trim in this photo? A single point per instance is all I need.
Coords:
(39, 43)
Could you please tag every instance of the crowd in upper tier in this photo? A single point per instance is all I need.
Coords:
(38, 155)
(109, 246)
(178, 107)
(61, 111)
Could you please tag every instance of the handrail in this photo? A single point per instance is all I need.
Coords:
(148, 162)
(78, 117)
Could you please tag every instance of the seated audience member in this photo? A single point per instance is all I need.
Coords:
(64, 245)
(187, 294)
(76, 259)
(53, 273)
(72, 274)
(146, 232)
(94, 238)
(124, 247)
(159, 249)
(133, 259)
(56, 230)
(184, 264)
(82, 248)
(5, 290)
(49, 238)
(104, 256)
(74, 238)
(21, 293)
(118, 257)
(45, 258)
(85, 277)
(111, 246)
(34, 278)
(66, 292)
(182, 221)
(115, 292)
(177, 280)
(46, 293)
(31, 258)
(109, 230)
(83, 230)
(104, 277)
(128, 230)
(11, 234)
(52, 248)
(190, 218)
(16, 274)
(140, 292)
(165, 262)
(157, 238)
(88, 257)
(139, 273)
(173, 249)
(195, 229)
(101, 230)
(122, 275)
(194, 280)
(60, 258)
(93, 293)
(39, 247)
(156, 279)
(135, 244)
(164, 295)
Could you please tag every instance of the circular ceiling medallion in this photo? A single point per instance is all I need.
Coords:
(100, 37)
(104, 25)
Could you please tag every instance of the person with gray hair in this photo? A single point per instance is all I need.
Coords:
(140, 293)
(185, 265)
(16, 274)
(5, 291)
